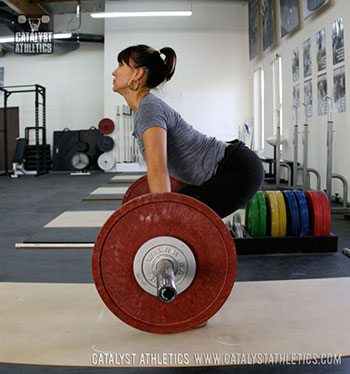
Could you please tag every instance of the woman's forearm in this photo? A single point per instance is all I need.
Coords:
(159, 181)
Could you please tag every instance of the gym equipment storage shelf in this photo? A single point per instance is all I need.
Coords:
(286, 245)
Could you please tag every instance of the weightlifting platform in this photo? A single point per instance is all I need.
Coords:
(68, 325)
(279, 303)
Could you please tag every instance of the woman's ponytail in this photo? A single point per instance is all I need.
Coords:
(169, 61)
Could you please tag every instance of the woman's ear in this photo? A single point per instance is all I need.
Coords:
(139, 73)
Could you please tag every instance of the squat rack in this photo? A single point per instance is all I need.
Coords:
(39, 91)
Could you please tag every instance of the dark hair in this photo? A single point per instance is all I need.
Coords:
(158, 69)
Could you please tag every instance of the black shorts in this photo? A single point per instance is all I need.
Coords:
(239, 176)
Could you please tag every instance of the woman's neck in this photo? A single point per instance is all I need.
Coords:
(133, 98)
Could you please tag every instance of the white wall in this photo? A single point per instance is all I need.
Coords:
(212, 85)
(317, 124)
(73, 81)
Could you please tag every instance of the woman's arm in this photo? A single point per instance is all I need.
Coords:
(155, 142)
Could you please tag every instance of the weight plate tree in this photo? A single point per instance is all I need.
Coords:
(131, 243)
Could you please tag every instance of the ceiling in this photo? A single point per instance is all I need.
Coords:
(51, 7)
(39, 7)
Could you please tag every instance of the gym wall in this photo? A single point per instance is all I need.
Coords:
(212, 86)
(317, 124)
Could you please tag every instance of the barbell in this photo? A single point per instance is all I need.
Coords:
(163, 262)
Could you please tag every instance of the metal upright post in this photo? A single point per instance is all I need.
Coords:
(278, 151)
(118, 135)
(295, 143)
(6, 94)
(43, 94)
(305, 150)
(329, 150)
(37, 148)
(44, 109)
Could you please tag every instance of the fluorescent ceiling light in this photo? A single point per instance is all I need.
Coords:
(182, 13)
(62, 36)
(11, 39)
(7, 39)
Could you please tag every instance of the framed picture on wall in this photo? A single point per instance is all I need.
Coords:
(253, 28)
(308, 97)
(321, 49)
(338, 41)
(322, 105)
(339, 90)
(268, 23)
(307, 58)
(311, 6)
(295, 65)
(289, 15)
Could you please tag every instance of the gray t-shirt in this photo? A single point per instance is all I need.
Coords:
(192, 156)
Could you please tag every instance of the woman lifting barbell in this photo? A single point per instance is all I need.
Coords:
(224, 176)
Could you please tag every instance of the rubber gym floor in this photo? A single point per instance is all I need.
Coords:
(29, 203)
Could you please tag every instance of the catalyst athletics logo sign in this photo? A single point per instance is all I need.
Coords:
(36, 39)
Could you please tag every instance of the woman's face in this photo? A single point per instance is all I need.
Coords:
(122, 74)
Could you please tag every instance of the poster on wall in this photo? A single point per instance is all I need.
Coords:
(307, 58)
(295, 65)
(321, 49)
(308, 97)
(253, 28)
(339, 90)
(322, 105)
(296, 101)
(311, 6)
(268, 23)
(338, 41)
(289, 12)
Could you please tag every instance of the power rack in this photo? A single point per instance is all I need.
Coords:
(40, 92)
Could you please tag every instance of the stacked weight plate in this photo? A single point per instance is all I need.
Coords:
(255, 218)
(106, 160)
(288, 213)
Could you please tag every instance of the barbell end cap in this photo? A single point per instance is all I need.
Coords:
(166, 285)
